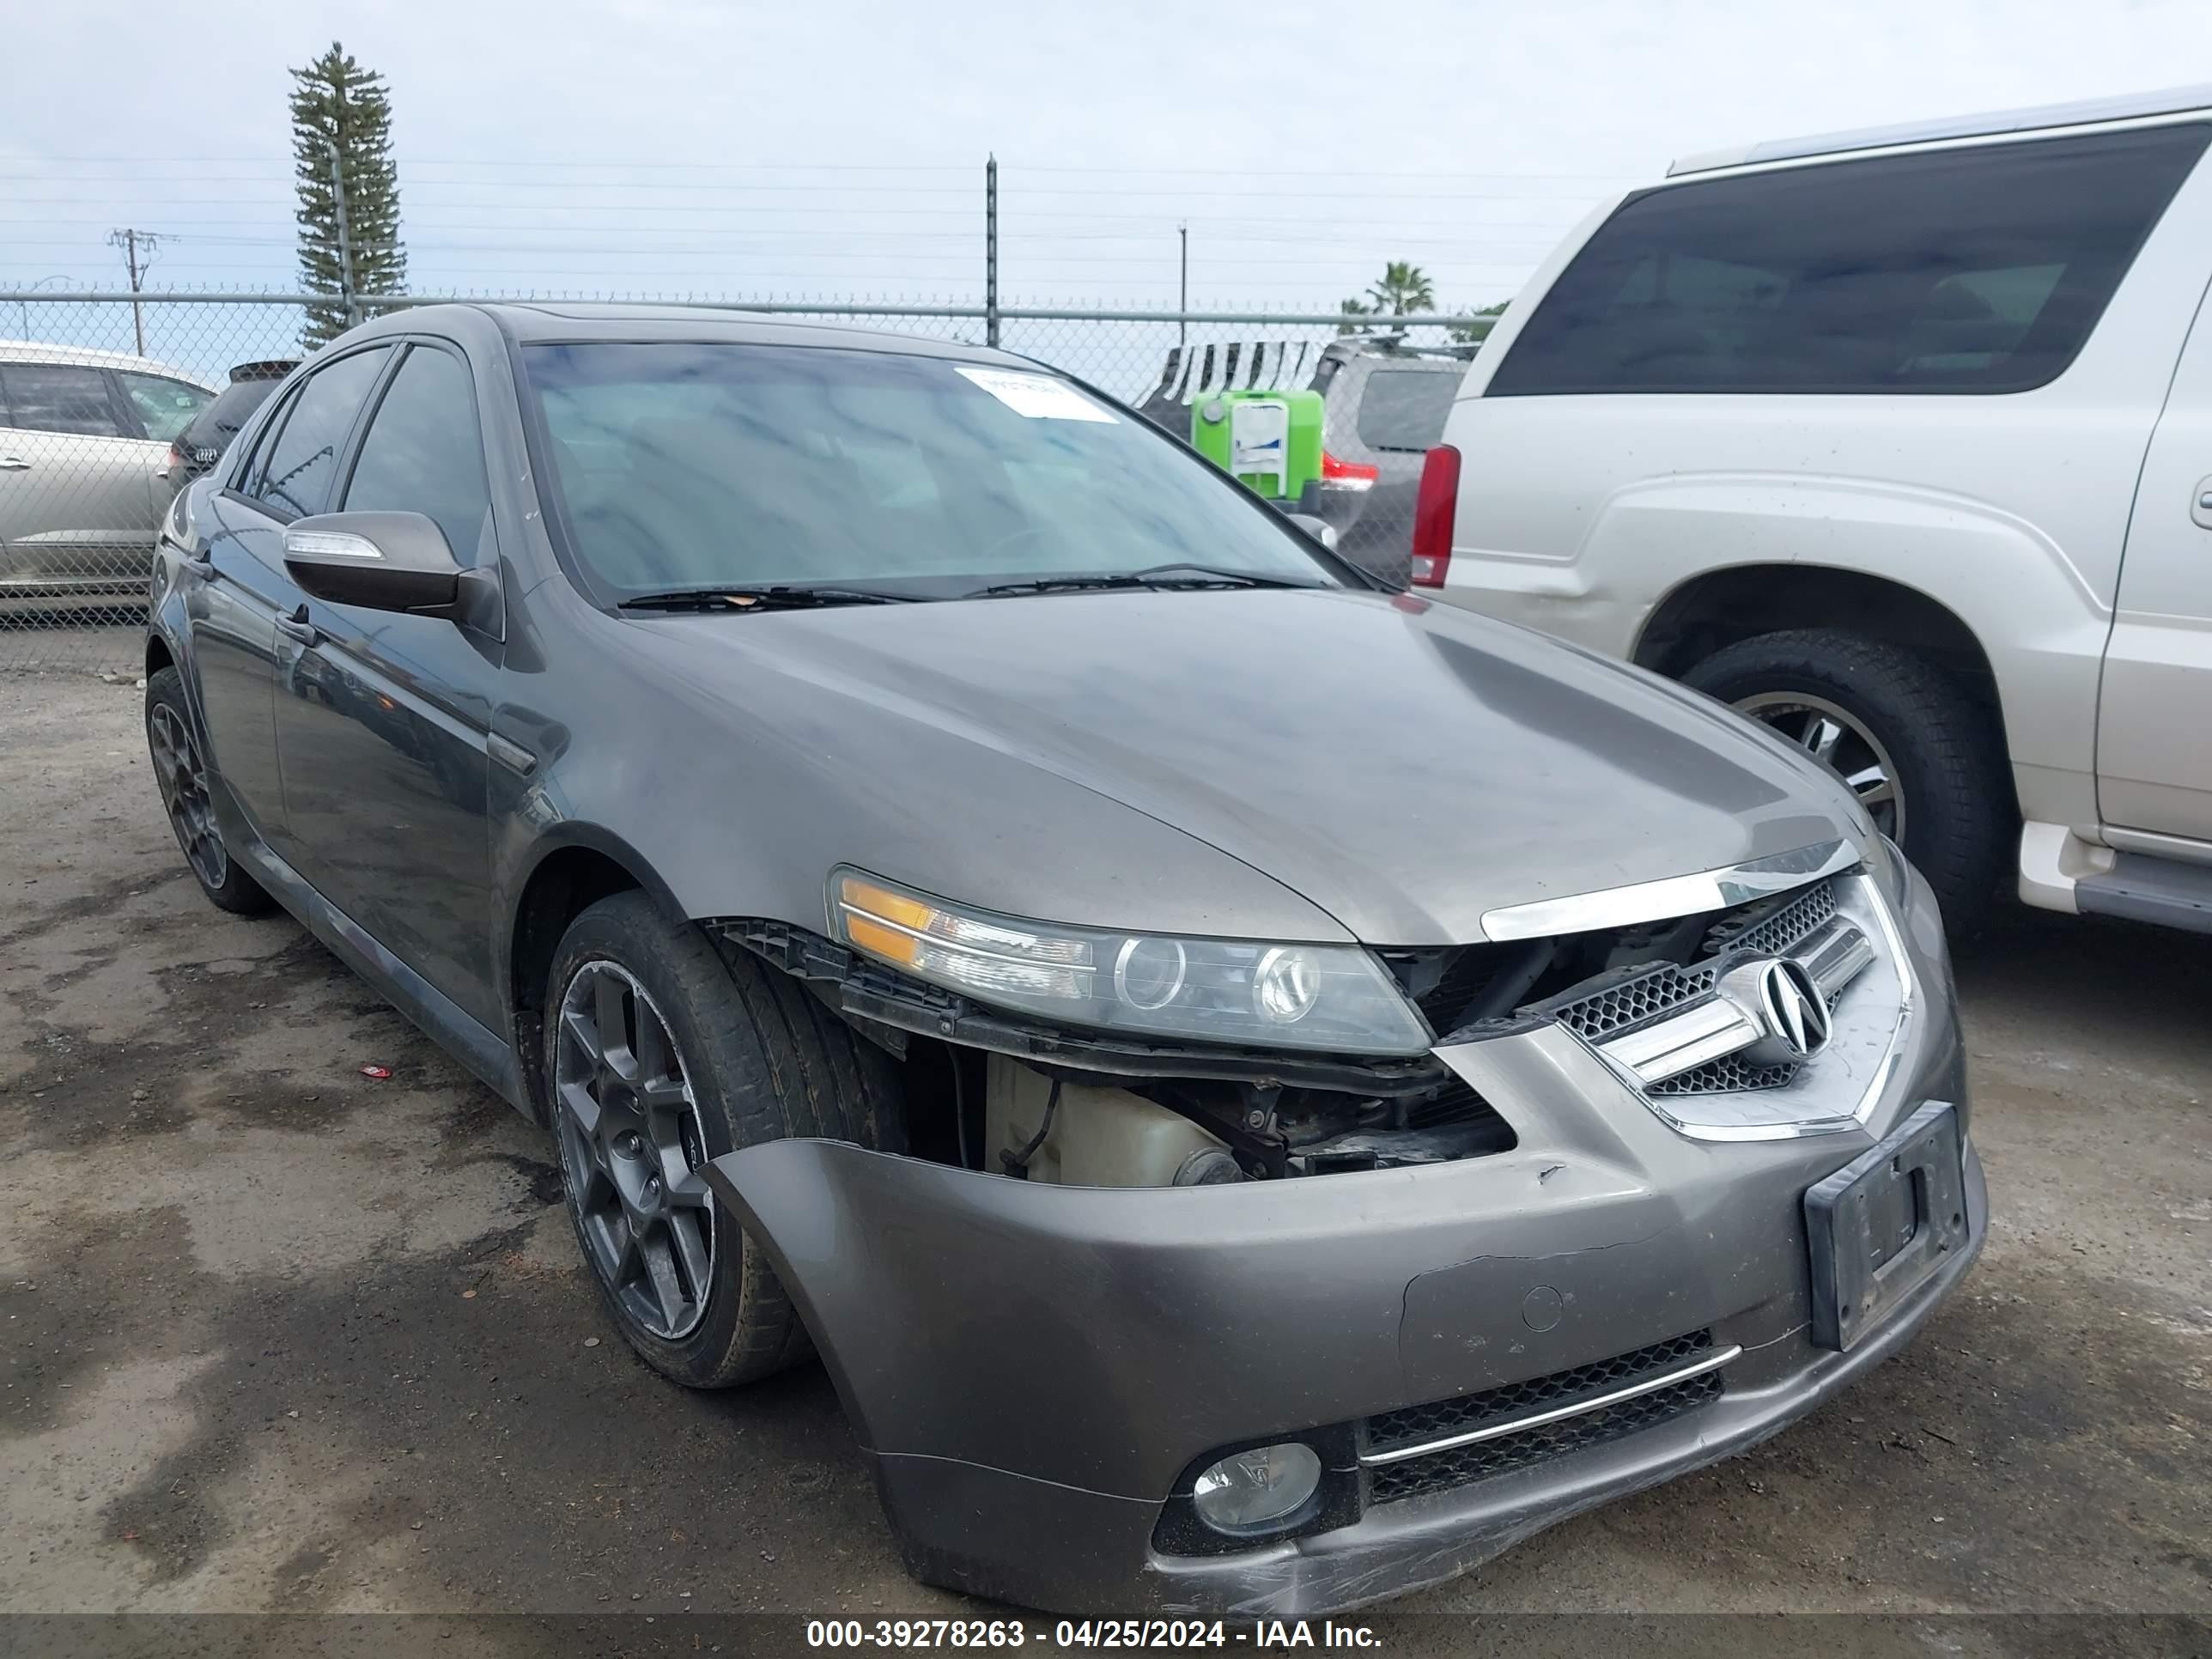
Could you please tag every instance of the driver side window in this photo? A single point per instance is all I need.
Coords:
(299, 461)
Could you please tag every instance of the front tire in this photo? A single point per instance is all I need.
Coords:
(659, 1056)
(1925, 759)
(180, 772)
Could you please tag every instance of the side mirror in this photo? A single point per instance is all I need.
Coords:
(1320, 529)
(378, 561)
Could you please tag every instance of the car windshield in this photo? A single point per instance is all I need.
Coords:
(693, 466)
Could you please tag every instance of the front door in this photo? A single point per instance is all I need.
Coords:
(230, 613)
(383, 719)
(239, 607)
(2153, 754)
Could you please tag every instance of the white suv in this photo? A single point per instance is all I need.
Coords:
(1901, 442)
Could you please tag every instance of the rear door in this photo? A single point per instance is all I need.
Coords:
(234, 611)
(163, 407)
(2154, 753)
(76, 506)
(384, 720)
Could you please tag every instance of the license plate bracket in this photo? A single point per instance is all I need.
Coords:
(1880, 1226)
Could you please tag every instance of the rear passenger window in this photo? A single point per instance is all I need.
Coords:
(1405, 408)
(424, 454)
(58, 397)
(1975, 269)
(293, 475)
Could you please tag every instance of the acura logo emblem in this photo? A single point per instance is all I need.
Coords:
(1792, 1009)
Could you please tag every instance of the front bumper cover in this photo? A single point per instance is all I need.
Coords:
(1031, 1369)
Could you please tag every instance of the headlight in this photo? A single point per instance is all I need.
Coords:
(1332, 997)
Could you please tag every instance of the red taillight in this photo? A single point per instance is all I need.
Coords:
(1347, 475)
(1434, 509)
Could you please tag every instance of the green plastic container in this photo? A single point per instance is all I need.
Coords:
(1271, 441)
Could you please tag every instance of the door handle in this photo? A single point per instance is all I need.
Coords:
(296, 626)
(14, 463)
(2202, 512)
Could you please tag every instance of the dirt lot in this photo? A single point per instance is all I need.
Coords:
(282, 1337)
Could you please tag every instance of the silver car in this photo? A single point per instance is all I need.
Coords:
(84, 453)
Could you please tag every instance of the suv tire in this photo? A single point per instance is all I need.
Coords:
(180, 771)
(735, 1053)
(1944, 751)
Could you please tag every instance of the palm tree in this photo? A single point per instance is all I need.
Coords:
(1405, 288)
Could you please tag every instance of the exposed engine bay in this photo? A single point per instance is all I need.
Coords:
(1174, 1133)
(1068, 1108)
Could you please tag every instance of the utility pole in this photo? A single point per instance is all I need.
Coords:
(128, 240)
(990, 251)
(1182, 289)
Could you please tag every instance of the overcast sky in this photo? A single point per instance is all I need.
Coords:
(684, 145)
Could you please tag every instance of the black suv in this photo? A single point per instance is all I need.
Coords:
(201, 444)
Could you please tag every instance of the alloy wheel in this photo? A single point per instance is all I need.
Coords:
(631, 1140)
(1840, 741)
(182, 779)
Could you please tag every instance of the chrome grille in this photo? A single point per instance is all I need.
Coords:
(1635, 995)
(1629, 997)
(1730, 1074)
(1783, 923)
(1620, 1009)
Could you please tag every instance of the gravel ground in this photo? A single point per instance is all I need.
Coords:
(279, 1337)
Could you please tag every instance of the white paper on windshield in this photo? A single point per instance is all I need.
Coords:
(1039, 397)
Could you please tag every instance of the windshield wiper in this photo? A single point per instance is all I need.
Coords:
(1173, 576)
(781, 597)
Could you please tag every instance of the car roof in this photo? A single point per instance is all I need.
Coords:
(37, 351)
(2141, 106)
(571, 322)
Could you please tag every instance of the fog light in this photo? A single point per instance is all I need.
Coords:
(1252, 1490)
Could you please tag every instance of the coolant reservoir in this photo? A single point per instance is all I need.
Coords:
(1099, 1138)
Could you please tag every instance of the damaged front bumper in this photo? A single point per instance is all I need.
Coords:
(1035, 1372)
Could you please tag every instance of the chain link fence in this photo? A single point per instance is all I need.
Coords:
(110, 403)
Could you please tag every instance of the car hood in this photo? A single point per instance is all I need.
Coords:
(1403, 766)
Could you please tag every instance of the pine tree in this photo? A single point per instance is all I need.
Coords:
(338, 106)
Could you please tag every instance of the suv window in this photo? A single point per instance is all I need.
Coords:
(1976, 270)
(58, 397)
(423, 453)
(294, 477)
(1405, 408)
(164, 407)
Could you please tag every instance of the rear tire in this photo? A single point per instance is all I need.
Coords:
(761, 1061)
(180, 772)
(1943, 751)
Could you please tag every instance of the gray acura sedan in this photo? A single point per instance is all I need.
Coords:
(1262, 1091)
